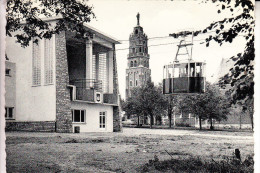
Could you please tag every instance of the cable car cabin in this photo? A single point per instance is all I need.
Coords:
(184, 78)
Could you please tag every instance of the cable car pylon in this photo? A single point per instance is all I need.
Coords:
(186, 76)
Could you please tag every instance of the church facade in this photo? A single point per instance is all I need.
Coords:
(138, 71)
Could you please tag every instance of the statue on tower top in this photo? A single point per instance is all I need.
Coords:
(138, 18)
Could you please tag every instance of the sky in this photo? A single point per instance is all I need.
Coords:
(159, 19)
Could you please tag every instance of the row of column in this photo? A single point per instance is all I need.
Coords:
(100, 66)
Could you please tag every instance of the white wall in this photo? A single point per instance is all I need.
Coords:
(32, 103)
(92, 117)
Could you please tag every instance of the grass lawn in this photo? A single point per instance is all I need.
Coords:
(118, 152)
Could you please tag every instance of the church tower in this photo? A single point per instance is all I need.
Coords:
(137, 72)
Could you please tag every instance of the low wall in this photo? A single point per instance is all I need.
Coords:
(36, 126)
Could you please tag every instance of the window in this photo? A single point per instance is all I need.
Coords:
(94, 67)
(199, 70)
(192, 70)
(8, 72)
(140, 49)
(48, 61)
(136, 83)
(131, 83)
(135, 64)
(78, 116)
(102, 120)
(9, 113)
(36, 64)
(102, 71)
(136, 31)
(131, 64)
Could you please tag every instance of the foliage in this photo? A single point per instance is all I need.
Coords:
(146, 100)
(207, 106)
(240, 23)
(27, 16)
(191, 164)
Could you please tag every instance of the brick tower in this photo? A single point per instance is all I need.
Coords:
(137, 72)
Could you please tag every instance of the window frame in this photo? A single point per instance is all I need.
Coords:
(102, 121)
(131, 64)
(36, 63)
(48, 62)
(80, 116)
(8, 72)
(135, 63)
(130, 83)
(7, 113)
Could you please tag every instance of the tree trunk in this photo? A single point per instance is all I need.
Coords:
(170, 111)
(170, 121)
(240, 121)
(211, 124)
(170, 117)
(138, 121)
(200, 123)
(151, 121)
(252, 120)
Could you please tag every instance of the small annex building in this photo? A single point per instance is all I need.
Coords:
(63, 84)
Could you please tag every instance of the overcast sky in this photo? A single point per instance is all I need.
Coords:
(159, 19)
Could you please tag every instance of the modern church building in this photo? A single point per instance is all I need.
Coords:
(63, 84)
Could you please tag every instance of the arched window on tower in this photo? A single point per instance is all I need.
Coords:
(140, 49)
(136, 31)
(136, 83)
(135, 64)
(131, 64)
(131, 83)
(133, 50)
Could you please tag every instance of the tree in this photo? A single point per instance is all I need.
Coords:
(218, 106)
(27, 17)
(173, 102)
(206, 106)
(147, 100)
(132, 107)
(241, 75)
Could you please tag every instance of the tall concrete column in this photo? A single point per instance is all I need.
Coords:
(89, 65)
(110, 71)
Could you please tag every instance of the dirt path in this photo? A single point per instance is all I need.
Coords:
(215, 134)
(117, 152)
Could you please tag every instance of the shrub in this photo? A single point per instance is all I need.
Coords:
(229, 164)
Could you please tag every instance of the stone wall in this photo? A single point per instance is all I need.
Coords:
(37, 126)
(116, 119)
(116, 109)
(63, 107)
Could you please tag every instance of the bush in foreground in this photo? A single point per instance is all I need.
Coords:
(229, 164)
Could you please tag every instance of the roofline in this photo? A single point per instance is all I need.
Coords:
(92, 29)
(106, 36)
